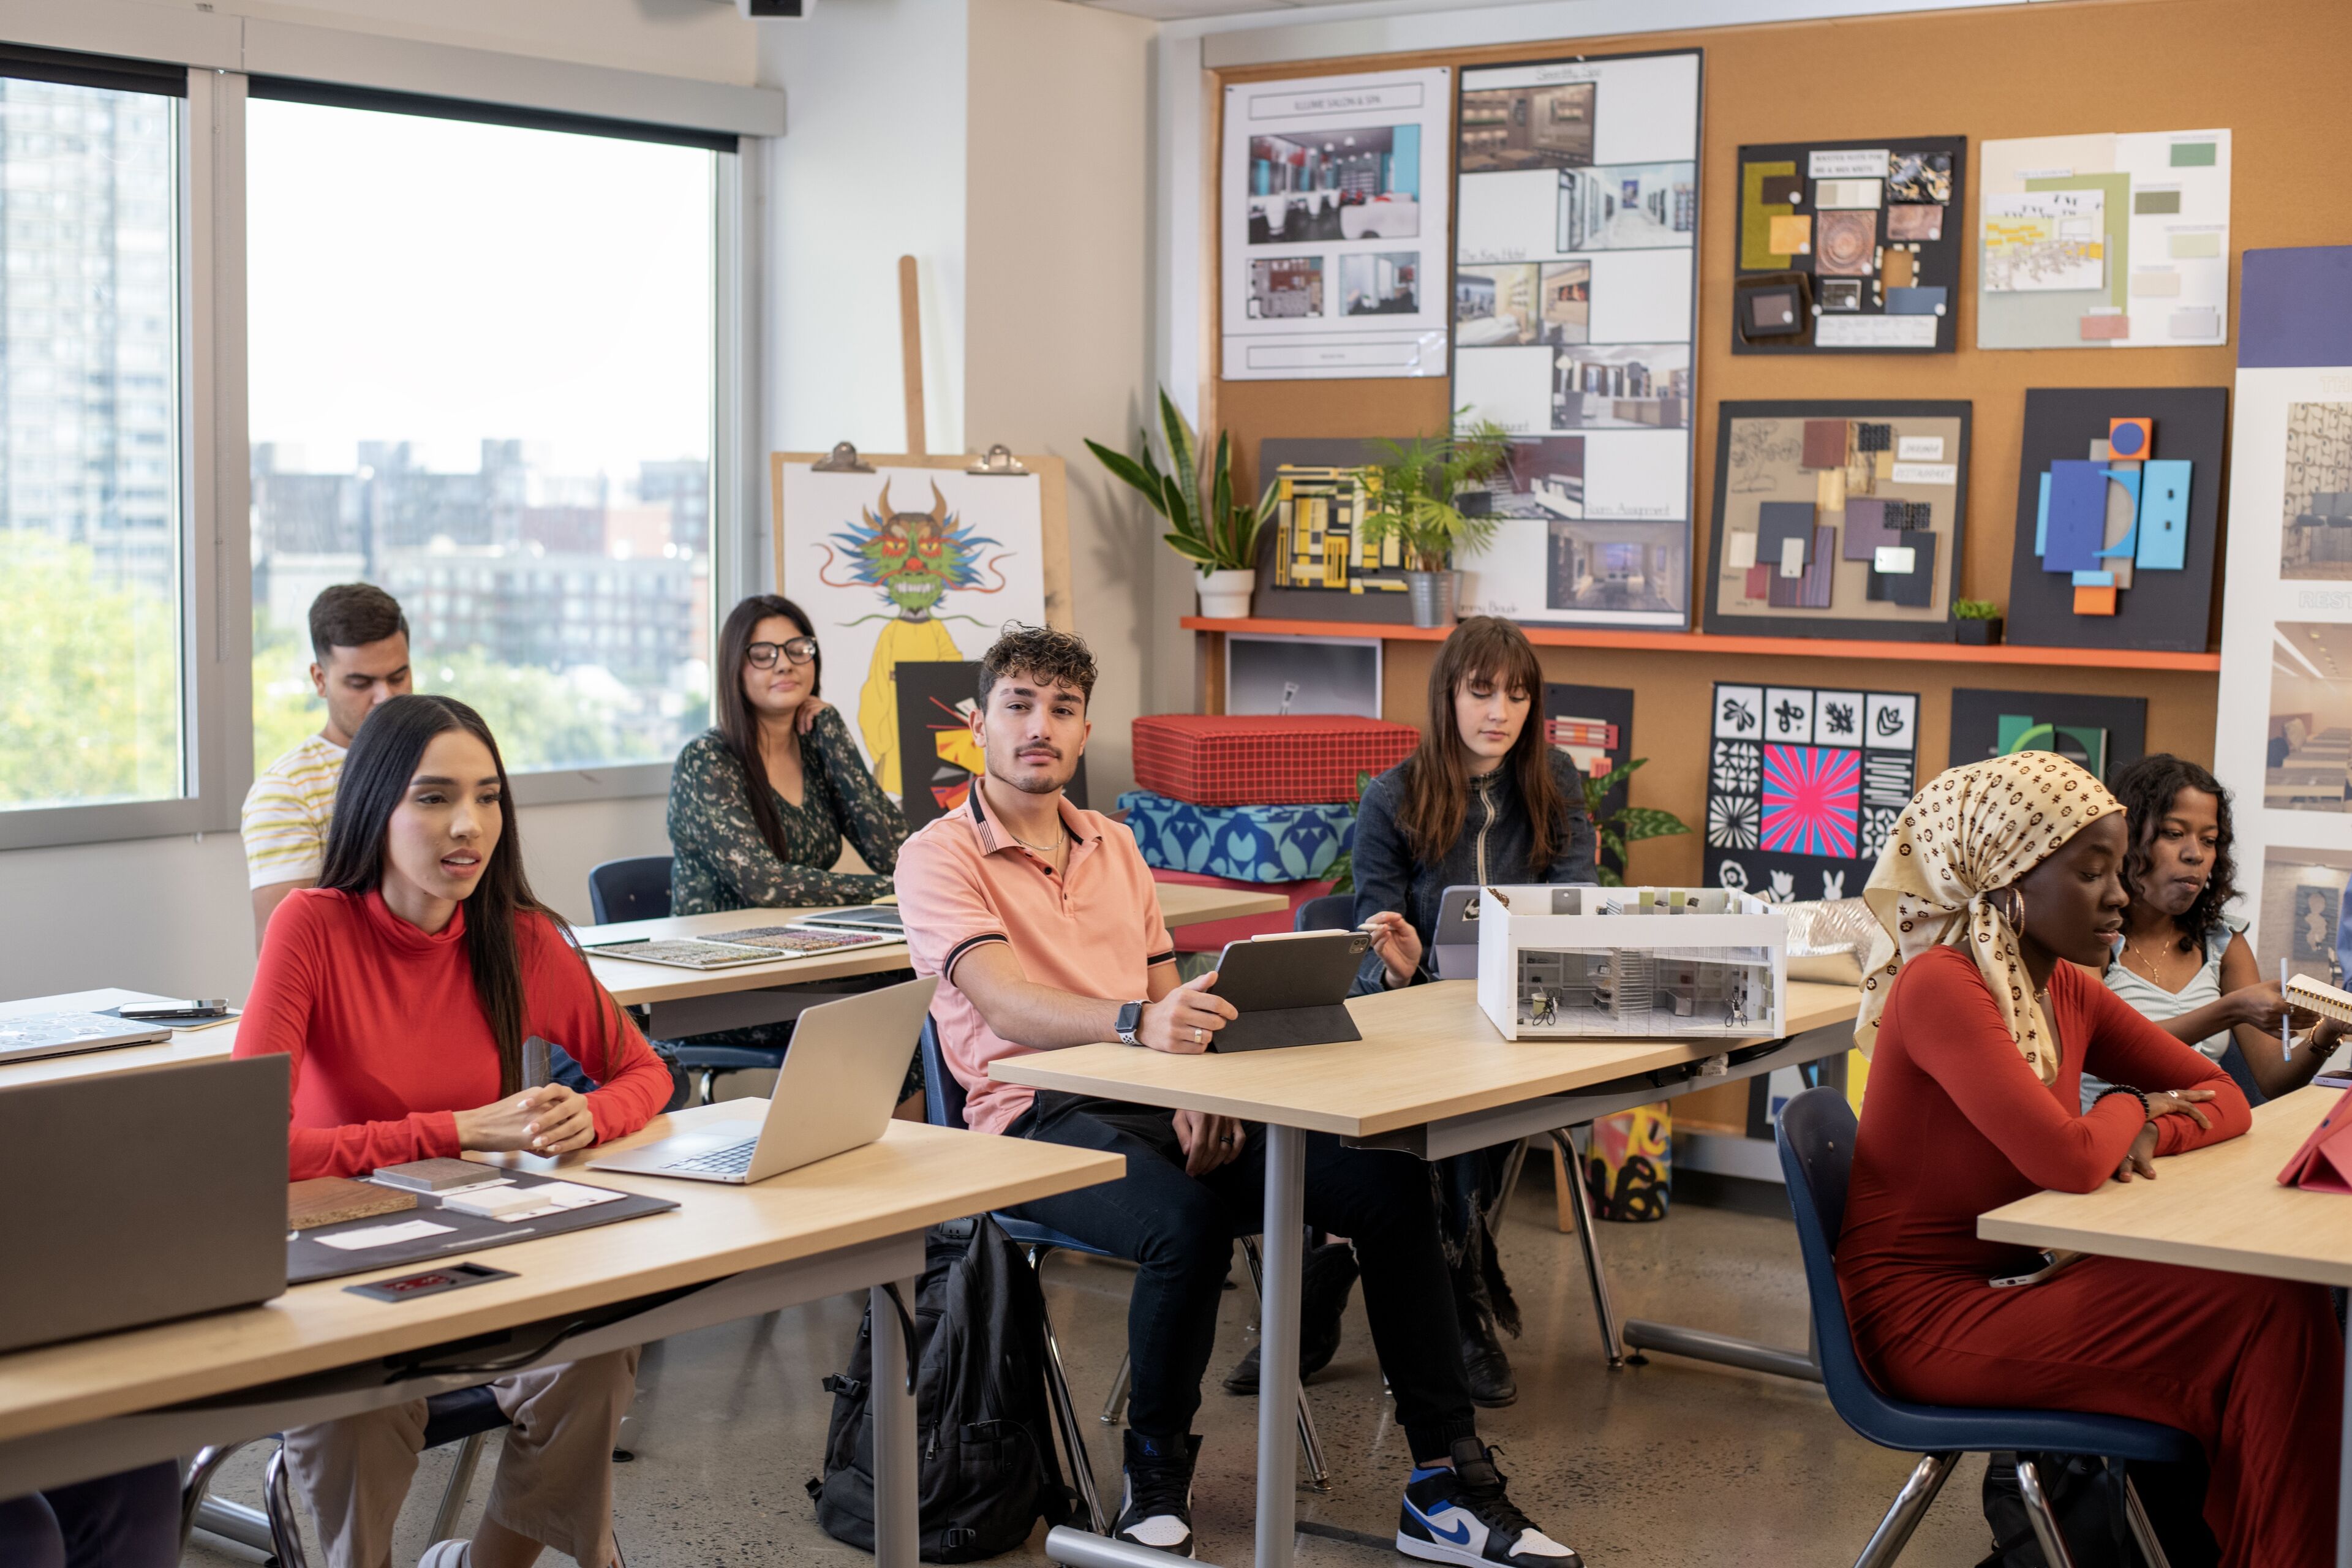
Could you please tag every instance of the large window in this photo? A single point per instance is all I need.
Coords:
(481, 375)
(91, 694)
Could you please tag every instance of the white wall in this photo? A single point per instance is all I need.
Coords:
(870, 167)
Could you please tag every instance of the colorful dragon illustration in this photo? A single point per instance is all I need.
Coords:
(915, 558)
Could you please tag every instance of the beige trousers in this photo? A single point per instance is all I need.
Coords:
(555, 1472)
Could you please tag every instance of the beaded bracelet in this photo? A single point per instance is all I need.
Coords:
(2145, 1111)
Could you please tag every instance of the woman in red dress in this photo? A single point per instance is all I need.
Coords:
(1978, 1036)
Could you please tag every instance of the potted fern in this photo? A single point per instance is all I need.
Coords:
(1427, 494)
(1207, 524)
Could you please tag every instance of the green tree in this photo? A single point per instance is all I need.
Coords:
(89, 680)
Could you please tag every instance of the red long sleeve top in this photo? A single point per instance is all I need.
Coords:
(1956, 1122)
(388, 1040)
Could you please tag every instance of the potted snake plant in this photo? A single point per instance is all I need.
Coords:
(1207, 524)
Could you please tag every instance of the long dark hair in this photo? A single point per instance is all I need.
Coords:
(384, 757)
(1437, 781)
(2148, 789)
(737, 723)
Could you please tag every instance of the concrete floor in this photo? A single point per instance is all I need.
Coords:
(1673, 1463)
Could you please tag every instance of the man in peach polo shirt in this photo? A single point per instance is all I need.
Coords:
(1041, 922)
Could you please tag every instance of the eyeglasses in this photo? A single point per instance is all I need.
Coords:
(762, 655)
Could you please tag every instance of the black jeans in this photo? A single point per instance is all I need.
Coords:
(1180, 1232)
(130, 1520)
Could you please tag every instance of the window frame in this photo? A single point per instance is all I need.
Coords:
(214, 462)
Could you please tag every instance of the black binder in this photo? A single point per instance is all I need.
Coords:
(1290, 990)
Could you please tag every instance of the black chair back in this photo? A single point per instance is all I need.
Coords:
(1333, 911)
(636, 889)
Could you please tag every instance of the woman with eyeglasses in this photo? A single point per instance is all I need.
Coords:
(758, 804)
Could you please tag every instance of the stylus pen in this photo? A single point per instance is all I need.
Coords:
(2286, 1040)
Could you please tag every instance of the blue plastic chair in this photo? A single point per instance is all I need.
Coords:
(1816, 1138)
(1332, 911)
(943, 1106)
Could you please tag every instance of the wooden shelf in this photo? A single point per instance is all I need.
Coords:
(1702, 643)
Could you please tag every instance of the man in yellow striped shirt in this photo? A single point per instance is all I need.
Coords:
(358, 640)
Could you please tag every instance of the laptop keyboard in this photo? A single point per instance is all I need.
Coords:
(731, 1161)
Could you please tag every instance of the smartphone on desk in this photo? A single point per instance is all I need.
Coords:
(175, 1009)
(2052, 1263)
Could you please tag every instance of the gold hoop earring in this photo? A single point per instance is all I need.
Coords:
(2015, 911)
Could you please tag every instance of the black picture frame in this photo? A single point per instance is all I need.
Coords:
(2161, 611)
(1828, 624)
(1939, 259)
(1977, 712)
(1612, 705)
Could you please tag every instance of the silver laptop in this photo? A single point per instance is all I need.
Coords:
(23, 1039)
(141, 1195)
(1454, 939)
(835, 1092)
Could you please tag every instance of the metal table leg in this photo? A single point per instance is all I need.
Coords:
(2343, 1464)
(1277, 1364)
(1591, 1241)
(897, 1531)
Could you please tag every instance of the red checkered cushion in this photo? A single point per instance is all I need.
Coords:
(1263, 759)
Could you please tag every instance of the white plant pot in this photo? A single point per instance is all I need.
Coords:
(1225, 595)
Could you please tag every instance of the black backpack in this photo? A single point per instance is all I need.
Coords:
(2086, 1496)
(984, 1453)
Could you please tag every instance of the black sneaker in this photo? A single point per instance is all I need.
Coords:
(1157, 1510)
(1327, 1278)
(1492, 1386)
(1462, 1516)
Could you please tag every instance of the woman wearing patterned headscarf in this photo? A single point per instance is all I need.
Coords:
(2002, 878)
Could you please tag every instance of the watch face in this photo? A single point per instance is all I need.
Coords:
(1129, 1015)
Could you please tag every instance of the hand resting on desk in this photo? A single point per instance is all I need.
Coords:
(549, 1119)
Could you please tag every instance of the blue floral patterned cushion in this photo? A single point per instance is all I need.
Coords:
(1247, 843)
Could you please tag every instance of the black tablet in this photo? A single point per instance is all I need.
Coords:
(1289, 989)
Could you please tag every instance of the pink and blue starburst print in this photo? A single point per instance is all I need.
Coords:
(1812, 795)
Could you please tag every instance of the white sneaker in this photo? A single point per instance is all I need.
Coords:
(446, 1554)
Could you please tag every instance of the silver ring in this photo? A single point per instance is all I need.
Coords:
(1198, 1036)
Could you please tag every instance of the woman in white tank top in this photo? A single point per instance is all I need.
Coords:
(2183, 960)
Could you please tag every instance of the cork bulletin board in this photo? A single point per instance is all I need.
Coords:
(2015, 71)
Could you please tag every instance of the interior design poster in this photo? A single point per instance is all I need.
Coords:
(905, 564)
(1849, 247)
(2119, 511)
(1803, 786)
(1575, 305)
(1334, 227)
(2104, 241)
(1837, 519)
(2283, 738)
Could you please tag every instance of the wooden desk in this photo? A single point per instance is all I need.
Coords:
(2218, 1207)
(631, 983)
(852, 1222)
(1430, 1076)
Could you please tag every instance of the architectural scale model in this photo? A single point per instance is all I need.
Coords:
(1577, 962)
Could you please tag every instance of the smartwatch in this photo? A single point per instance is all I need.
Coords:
(1130, 1015)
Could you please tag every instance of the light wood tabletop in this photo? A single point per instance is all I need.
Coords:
(1427, 1053)
(1181, 904)
(2218, 1207)
(913, 1177)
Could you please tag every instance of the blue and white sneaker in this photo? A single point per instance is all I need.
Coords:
(1462, 1516)
(1157, 1510)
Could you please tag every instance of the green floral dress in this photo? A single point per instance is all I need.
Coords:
(722, 862)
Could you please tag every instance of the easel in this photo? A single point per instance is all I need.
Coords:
(1053, 522)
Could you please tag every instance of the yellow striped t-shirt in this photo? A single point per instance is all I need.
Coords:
(286, 813)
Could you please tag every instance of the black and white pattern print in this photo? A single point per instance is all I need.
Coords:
(1733, 822)
(1738, 768)
(1886, 778)
(1878, 824)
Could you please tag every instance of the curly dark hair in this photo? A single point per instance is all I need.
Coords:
(2148, 789)
(1040, 653)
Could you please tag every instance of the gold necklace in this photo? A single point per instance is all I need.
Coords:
(2156, 971)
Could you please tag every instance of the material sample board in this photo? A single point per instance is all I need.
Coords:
(1849, 247)
(1837, 519)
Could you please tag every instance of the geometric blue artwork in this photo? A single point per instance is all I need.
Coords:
(2078, 516)
(2164, 516)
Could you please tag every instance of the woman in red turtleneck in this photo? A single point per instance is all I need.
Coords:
(403, 987)
(1999, 871)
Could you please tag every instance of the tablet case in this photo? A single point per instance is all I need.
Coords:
(2324, 1164)
(1289, 990)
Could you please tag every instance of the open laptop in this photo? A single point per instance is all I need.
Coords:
(138, 1196)
(1454, 939)
(835, 1092)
